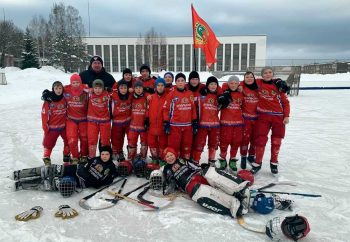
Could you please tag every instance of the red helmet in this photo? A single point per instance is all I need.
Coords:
(246, 176)
(295, 227)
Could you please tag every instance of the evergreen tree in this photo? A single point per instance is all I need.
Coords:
(30, 53)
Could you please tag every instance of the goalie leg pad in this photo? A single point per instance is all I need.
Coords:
(224, 180)
(26, 173)
(216, 200)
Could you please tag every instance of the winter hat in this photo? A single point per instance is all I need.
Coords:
(127, 70)
(106, 148)
(57, 83)
(98, 82)
(169, 74)
(75, 77)
(145, 67)
(138, 84)
(160, 80)
(212, 79)
(122, 82)
(167, 150)
(193, 74)
(96, 58)
(266, 68)
(233, 78)
(180, 74)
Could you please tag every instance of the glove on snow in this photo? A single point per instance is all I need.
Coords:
(66, 212)
(32, 213)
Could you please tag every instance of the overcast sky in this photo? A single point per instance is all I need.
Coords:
(295, 29)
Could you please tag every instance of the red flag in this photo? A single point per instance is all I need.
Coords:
(204, 37)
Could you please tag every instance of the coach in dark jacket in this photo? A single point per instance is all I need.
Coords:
(97, 71)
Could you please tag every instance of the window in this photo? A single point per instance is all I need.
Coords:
(244, 56)
(115, 63)
(138, 56)
(147, 54)
(122, 57)
(252, 53)
(235, 57)
(227, 57)
(219, 58)
(107, 58)
(178, 57)
(162, 61)
(98, 50)
(90, 50)
(203, 66)
(131, 58)
(187, 58)
(155, 57)
(171, 57)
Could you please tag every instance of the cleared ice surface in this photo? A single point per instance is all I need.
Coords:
(315, 154)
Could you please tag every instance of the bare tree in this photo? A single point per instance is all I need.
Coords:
(38, 26)
(11, 38)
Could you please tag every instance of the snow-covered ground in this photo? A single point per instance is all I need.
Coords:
(315, 154)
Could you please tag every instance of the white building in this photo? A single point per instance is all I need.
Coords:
(235, 53)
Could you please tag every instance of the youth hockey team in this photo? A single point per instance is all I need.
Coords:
(174, 117)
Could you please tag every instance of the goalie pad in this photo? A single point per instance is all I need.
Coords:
(215, 200)
(225, 181)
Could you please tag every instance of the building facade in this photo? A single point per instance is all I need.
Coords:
(235, 53)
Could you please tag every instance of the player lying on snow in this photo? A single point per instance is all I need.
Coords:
(210, 187)
(96, 172)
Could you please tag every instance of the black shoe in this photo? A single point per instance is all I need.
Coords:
(121, 156)
(251, 159)
(255, 168)
(16, 175)
(274, 168)
(66, 159)
(243, 162)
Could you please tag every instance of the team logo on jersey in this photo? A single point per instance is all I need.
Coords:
(52, 105)
(138, 106)
(106, 172)
(96, 100)
(99, 168)
(273, 92)
(105, 98)
(60, 106)
(211, 100)
(265, 92)
(184, 100)
(76, 98)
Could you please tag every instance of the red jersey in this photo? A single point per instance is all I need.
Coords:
(98, 109)
(129, 83)
(250, 102)
(147, 83)
(179, 108)
(169, 89)
(121, 109)
(155, 113)
(271, 100)
(138, 113)
(208, 111)
(53, 115)
(195, 91)
(77, 102)
(232, 115)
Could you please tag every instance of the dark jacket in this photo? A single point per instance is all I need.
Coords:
(89, 76)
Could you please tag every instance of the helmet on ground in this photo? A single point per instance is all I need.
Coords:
(263, 204)
(295, 227)
(67, 186)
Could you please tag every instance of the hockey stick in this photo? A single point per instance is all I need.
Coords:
(82, 202)
(133, 200)
(290, 193)
(277, 183)
(116, 199)
(246, 226)
(141, 194)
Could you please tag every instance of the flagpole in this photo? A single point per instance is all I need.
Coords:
(193, 35)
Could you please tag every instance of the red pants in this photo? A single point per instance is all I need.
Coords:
(180, 139)
(132, 144)
(94, 129)
(75, 131)
(248, 137)
(264, 124)
(230, 135)
(50, 139)
(200, 141)
(117, 137)
(157, 143)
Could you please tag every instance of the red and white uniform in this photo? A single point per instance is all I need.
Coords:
(180, 110)
(76, 125)
(231, 125)
(195, 91)
(137, 127)
(272, 108)
(169, 89)
(98, 121)
(209, 126)
(53, 117)
(157, 139)
(250, 115)
(121, 112)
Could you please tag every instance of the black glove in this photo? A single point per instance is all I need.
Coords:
(204, 91)
(195, 126)
(46, 96)
(282, 85)
(146, 124)
(166, 127)
(224, 99)
(149, 90)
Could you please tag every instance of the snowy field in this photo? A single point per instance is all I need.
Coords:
(315, 154)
